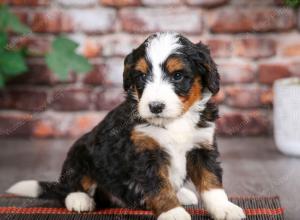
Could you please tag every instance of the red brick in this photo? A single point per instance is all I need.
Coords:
(145, 20)
(78, 3)
(109, 98)
(55, 124)
(252, 2)
(120, 3)
(243, 96)
(254, 19)
(220, 97)
(255, 47)
(26, 2)
(35, 46)
(298, 19)
(292, 50)
(52, 22)
(84, 123)
(114, 71)
(294, 68)
(15, 124)
(88, 47)
(219, 47)
(39, 74)
(24, 99)
(268, 73)
(207, 3)
(280, 2)
(22, 15)
(266, 97)
(71, 99)
(243, 123)
(119, 44)
(289, 45)
(93, 21)
(236, 72)
(162, 2)
(96, 76)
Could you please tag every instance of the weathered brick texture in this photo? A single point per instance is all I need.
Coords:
(253, 43)
(256, 19)
(151, 20)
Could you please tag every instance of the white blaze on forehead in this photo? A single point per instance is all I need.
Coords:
(160, 48)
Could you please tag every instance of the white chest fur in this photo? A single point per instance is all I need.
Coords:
(177, 138)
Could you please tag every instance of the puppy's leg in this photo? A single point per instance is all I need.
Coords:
(164, 201)
(79, 185)
(81, 192)
(205, 173)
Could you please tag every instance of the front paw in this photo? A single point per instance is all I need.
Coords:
(79, 202)
(227, 211)
(187, 197)
(177, 213)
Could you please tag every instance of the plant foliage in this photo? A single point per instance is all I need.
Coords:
(12, 60)
(63, 58)
(292, 3)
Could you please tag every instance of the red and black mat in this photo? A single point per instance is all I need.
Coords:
(16, 208)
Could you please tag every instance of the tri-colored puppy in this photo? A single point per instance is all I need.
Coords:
(158, 148)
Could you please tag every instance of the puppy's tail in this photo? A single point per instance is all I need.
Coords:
(36, 189)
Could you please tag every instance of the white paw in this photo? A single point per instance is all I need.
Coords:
(187, 197)
(178, 213)
(227, 211)
(79, 202)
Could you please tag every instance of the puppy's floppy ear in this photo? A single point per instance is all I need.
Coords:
(207, 68)
(128, 62)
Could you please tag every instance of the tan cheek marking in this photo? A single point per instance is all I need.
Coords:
(174, 64)
(143, 142)
(87, 183)
(193, 95)
(142, 66)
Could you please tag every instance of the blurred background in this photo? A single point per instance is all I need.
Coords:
(61, 72)
(253, 42)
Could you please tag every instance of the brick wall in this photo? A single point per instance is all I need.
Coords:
(254, 43)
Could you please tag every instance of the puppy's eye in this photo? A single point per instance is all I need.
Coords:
(177, 77)
(141, 77)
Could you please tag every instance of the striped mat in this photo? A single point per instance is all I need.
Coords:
(16, 208)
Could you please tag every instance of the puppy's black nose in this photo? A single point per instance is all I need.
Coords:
(156, 107)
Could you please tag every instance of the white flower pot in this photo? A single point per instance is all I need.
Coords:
(287, 115)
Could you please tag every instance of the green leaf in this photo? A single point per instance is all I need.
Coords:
(10, 21)
(12, 63)
(15, 25)
(63, 58)
(292, 3)
(4, 17)
(3, 40)
(64, 44)
(2, 81)
(81, 64)
(58, 65)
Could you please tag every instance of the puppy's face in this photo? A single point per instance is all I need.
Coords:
(168, 75)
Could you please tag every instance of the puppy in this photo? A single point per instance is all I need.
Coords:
(157, 149)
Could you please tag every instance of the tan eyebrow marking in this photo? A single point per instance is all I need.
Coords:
(142, 65)
(174, 64)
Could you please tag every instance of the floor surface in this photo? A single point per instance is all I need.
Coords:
(252, 166)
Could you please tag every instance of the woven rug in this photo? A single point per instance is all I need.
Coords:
(16, 208)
